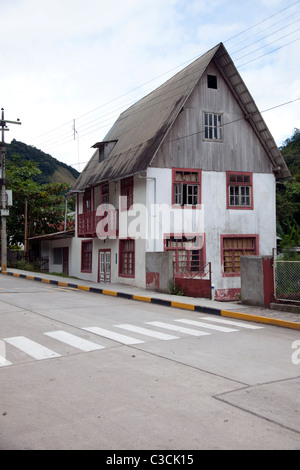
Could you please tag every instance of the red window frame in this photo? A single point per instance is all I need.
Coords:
(87, 201)
(86, 256)
(127, 258)
(232, 248)
(239, 180)
(126, 191)
(188, 187)
(186, 260)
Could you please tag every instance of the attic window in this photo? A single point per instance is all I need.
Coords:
(101, 154)
(212, 82)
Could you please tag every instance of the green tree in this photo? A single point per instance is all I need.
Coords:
(38, 208)
(288, 193)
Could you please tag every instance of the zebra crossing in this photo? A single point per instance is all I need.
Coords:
(156, 330)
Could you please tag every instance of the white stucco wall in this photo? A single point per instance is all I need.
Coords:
(216, 219)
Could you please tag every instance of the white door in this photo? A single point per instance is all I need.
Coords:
(104, 266)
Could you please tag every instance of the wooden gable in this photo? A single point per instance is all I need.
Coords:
(186, 146)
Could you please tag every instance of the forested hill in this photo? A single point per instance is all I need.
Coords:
(53, 171)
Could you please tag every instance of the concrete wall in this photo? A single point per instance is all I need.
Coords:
(257, 286)
(159, 271)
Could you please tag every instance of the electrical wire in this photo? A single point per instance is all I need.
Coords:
(64, 136)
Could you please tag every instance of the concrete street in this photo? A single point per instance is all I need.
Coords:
(79, 370)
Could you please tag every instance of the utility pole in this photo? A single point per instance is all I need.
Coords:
(4, 211)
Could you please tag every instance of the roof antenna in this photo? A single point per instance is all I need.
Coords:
(75, 132)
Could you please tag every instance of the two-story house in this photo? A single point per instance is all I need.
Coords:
(189, 173)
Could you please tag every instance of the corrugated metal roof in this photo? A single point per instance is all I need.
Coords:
(140, 130)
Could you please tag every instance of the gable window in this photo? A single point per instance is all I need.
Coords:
(212, 82)
(233, 247)
(127, 193)
(239, 191)
(188, 253)
(127, 258)
(186, 187)
(213, 126)
(86, 256)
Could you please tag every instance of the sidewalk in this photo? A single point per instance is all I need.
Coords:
(224, 309)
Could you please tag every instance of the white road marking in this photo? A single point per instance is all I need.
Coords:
(234, 323)
(4, 362)
(147, 332)
(75, 341)
(112, 335)
(206, 325)
(31, 348)
(180, 329)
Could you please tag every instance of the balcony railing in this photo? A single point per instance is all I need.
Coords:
(92, 225)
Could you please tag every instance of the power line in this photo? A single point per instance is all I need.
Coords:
(64, 137)
(223, 125)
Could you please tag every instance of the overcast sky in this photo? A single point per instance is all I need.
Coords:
(88, 60)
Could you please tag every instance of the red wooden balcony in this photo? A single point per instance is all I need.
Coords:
(89, 224)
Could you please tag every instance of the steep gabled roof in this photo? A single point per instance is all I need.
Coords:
(141, 129)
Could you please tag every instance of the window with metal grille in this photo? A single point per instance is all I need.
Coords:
(239, 191)
(186, 187)
(213, 126)
(127, 258)
(233, 247)
(187, 255)
(86, 256)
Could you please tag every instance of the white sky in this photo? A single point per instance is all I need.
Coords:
(88, 60)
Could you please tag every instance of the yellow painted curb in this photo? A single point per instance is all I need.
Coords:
(258, 319)
(30, 277)
(109, 292)
(64, 284)
(46, 281)
(82, 287)
(181, 305)
(15, 274)
(140, 298)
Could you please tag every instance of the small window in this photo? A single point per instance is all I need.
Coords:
(235, 247)
(127, 193)
(239, 191)
(185, 259)
(213, 126)
(186, 187)
(86, 256)
(127, 258)
(212, 82)
(101, 154)
(104, 193)
(87, 201)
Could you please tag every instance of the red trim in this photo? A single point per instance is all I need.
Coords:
(236, 236)
(180, 236)
(227, 294)
(126, 190)
(90, 269)
(237, 183)
(198, 183)
(268, 276)
(121, 258)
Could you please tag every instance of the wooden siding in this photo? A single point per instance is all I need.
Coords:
(185, 146)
